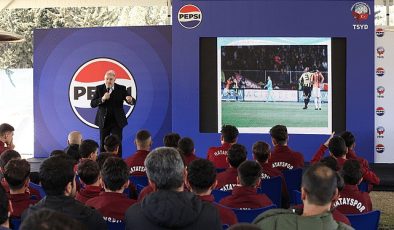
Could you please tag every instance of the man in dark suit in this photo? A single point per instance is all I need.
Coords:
(110, 117)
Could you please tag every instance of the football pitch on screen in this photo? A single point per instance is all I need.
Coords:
(268, 114)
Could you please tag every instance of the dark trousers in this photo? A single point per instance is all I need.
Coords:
(111, 127)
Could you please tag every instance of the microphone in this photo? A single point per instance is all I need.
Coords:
(108, 89)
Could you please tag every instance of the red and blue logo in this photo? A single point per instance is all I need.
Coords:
(380, 90)
(189, 16)
(380, 111)
(380, 52)
(379, 32)
(380, 131)
(360, 11)
(380, 71)
(379, 148)
(85, 80)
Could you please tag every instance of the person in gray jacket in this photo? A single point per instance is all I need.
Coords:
(169, 206)
(319, 186)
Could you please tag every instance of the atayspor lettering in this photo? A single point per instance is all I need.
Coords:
(282, 164)
(137, 169)
(220, 152)
(351, 202)
(228, 187)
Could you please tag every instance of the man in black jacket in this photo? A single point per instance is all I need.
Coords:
(58, 181)
(170, 207)
(110, 117)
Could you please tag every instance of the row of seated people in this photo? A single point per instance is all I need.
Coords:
(170, 206)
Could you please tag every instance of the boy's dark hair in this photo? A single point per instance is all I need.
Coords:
(249, 173)
(320, 183)
(171, 140)
(87, 147)
(88, 171)
(114, 173)
(102, 157)
(6, 128)
(111, 142)
(8, 155)
(46, 219)
(55, 173)
(186, 146)
(229, 133)
(279, 134)
(201, 174)
(236, 155)
(4, 205)
(261, 151)
(16, 172)
(348, 137)
(337, 146)
(330, 162)
(351, 172)
(57, 152)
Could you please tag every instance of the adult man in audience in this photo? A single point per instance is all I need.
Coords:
(112, 203)
(186, 149)
(16, 174)
(171, 140)
(227, 180)
(46, 219)
(74, 139)
(352, 200)
(89, 149)
(6, 137)
(319, 187)
(170, 207)
(135, 162)
(218, 155)
(111, 144)
(245, 196)
(284, 158)
(89, 176)
(201, 180)
(58, 181)
(338, 150)
(4, 210)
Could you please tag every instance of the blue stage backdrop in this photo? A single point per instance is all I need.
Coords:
(69, 63)
(351, 20)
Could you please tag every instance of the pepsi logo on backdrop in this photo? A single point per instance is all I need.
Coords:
(380, 71)
(380, 51)
(85, 80)
(380, 131)
(379, 148)
(380, 111)
(189, 16)
(379, 32)
(380, 90)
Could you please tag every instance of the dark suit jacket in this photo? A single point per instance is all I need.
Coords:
(115, 103)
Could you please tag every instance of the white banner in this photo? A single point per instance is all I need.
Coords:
(384, 94)
(276, 95)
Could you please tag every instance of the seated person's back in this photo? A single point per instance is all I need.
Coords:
(135, 162)
(246, 196)
(89, 176)
(218, 155)
(227, 180)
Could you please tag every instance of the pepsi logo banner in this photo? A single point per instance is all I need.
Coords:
(70, 63)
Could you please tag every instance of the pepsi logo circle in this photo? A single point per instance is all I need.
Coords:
(189, 16)
(379, 148)
(379, 32)
(380, 111)
(380, 71)
(87, 77)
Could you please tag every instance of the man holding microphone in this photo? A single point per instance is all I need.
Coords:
(110, 117)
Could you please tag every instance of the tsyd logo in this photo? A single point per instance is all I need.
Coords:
(379, 148)
(379, 32)
(380, 71)
(85, 80)
(380, 131)
(380, 111)
(380, 90)
(360, 12)
(380, 51)
(189, 16)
